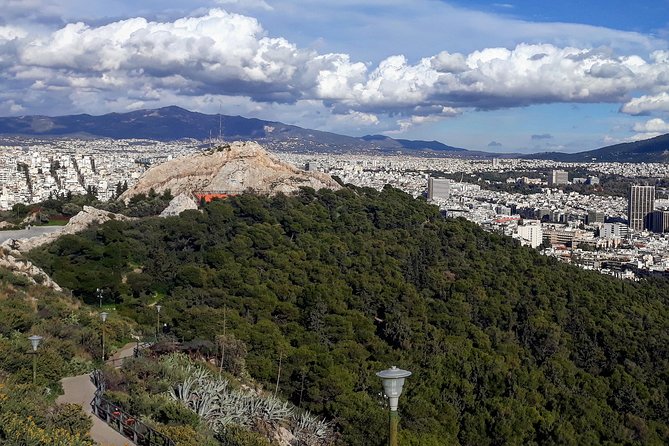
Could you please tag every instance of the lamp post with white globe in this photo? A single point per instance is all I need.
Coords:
(34, 342)
(393, 381)
(158, 308)
(103, 317)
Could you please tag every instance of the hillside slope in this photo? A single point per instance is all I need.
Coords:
(506, 346)
(653, 150)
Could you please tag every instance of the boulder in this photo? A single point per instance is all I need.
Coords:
(180, 203)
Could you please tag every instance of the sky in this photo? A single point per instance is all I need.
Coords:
(506, 76)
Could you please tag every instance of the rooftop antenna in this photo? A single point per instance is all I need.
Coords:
(220, 123)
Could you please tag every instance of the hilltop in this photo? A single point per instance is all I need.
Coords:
(231, 169)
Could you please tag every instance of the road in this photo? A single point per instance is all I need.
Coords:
(28, 233)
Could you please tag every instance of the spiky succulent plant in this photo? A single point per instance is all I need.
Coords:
(220, 406)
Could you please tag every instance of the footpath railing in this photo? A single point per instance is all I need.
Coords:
(126, 424)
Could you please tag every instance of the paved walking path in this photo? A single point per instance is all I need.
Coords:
(127, 351)
(28, 233)
(80, 390)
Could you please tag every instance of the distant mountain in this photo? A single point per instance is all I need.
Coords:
(173, 123)
(654, 150)
(391, 143)
(168, 123)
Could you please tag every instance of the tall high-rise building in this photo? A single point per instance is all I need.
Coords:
(613, 230)
(530, 233)
(595, 217)
(438, 188)
(660, 221)
(558, 177)
(640, 207)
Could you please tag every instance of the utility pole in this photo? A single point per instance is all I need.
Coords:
(225, 320)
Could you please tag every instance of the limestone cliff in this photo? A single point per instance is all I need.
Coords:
(232, 169)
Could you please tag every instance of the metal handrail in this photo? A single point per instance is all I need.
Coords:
(126, 424)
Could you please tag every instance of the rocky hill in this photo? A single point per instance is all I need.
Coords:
(232, 169)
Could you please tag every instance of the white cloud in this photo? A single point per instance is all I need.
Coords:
(137, 62)
(647, 103)
(12, 32)
(642, 136)
(359, 118)
(655, 125)
(246, 4)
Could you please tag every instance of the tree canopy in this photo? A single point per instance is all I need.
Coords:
(505, 346)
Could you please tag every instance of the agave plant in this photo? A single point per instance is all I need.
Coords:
(271, 409)
(182, 392)
(310, 430)
(220, 406)
(207, 396)
(235, 408)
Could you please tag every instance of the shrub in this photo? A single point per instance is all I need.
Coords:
(238, 436)
(70, 418)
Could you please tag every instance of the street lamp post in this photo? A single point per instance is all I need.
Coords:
(103, 316)
(34, 342)
(393, 381)
(98, 291)
(158, 307)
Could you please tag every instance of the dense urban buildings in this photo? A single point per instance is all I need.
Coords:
(589, 230)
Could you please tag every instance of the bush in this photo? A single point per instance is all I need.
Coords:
(23, 431)
(237, 436)
(187, 436)
(71, 418)
(173, 413)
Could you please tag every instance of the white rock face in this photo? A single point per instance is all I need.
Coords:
(232, 169)
(180, 203)
(76, 224)
(13, 261)
(283, 437)
(10, 250)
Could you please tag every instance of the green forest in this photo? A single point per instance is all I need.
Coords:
(327, 288)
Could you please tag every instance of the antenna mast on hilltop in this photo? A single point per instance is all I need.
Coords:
(220, 124)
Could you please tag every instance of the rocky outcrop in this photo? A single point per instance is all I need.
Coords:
(13, 261)
(230, 169)
(180, 203)
(76, 224)
(11, 250)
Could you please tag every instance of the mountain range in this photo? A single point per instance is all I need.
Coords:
(653, 150)
(173, 123)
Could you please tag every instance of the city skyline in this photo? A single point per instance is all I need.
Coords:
(491, 76)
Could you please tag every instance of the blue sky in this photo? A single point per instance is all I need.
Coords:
(501, 76)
